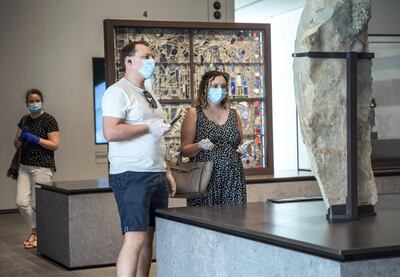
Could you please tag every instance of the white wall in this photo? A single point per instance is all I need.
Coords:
(283, 35)
(49, 45)
(385, 20)
(385, 17)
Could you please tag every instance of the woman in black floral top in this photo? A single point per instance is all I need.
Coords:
(39, 137)
(213, 132)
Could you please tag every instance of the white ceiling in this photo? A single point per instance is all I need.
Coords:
(262, 10)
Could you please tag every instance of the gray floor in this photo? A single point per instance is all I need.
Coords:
(16, 261)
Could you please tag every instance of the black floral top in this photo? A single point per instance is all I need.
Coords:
(33, 154)
(227, 183)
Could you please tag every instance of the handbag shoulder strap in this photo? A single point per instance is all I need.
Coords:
(23, 121)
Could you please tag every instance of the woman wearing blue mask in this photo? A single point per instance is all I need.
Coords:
(212, 131)
(38, 136)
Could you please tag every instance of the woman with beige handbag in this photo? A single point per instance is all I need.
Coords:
(212, 131)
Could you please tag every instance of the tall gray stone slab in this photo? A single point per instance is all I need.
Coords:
(321, 93)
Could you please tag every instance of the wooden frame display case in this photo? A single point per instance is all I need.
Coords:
(184, 52)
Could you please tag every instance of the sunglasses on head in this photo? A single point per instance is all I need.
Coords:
(150, 99)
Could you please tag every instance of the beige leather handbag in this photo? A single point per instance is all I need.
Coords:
(192, 178)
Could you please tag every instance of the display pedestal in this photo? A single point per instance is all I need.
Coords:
(78, 223)
(271, 239)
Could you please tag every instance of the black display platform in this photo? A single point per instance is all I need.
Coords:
(302, 226)
(79, 187)
(101, 185)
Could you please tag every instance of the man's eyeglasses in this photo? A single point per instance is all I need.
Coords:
(150, 99)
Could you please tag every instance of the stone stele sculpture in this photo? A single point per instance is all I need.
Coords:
(320, 87)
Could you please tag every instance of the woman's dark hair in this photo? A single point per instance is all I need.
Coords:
(202, 93)
(129, 50)
(33, 91)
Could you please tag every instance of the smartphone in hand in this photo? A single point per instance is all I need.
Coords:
(175, 119)
(242, 149)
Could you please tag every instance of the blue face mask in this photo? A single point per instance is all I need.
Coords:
(148, 67)
(216, 95)
(35, 107)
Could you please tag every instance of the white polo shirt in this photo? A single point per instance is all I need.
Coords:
(141, 154)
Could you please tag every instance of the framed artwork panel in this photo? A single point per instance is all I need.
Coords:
(184, 51)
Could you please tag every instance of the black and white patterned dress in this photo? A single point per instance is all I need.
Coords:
(227, 183)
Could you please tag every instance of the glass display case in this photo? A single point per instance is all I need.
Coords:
(385, 105)
(184, 52)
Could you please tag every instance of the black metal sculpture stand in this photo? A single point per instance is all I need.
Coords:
(351, 210)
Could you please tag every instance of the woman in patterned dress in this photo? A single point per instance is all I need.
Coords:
(212, 131)
(39, 137)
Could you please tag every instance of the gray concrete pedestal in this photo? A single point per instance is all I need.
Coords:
(78, 230)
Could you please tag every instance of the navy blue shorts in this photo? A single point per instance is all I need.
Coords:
(138, 194)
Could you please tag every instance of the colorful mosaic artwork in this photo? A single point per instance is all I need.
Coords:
(173, 138)
(170, 112)
(237, 52)
(227, 46)
(172, 148)
(169, 45)
(245, 80)
(252, 115)
(172, 81)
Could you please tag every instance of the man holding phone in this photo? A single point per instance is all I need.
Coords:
(134, 127)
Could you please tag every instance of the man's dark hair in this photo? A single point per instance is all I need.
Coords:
(129, 50)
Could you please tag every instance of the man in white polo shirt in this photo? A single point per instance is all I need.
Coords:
(134, 127)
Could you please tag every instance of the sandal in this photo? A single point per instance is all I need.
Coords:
(31, 242)
(31, 236)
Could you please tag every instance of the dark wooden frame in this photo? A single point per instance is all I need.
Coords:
(111, 24)
(94, 99)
